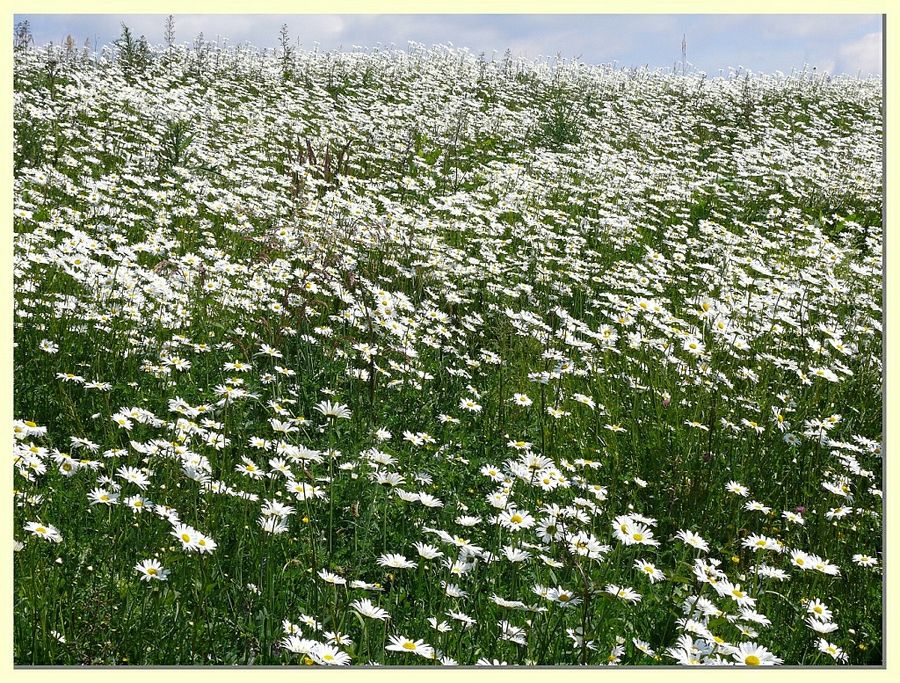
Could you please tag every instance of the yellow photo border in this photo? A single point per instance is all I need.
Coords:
(891, 642)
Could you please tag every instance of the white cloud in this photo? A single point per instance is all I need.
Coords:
(862, 55)
(826, 65)
(793, 26)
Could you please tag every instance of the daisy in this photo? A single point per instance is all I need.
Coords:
(515, 554)
(756, 542)
(310, 621)
(521, 400)
(514, 520)
(248, 468)
(470, 405)
(649, 570)
(48, 346)
(770, 572)
(513, 634)
(290, 628)
(461, 617)
(187, 535)
(821, 626)
(101, 495)
(801, 560)
(563, 597)
(205, 544)
(824, 566)
(492, 472)
(331, 577)
(294, 643)
(46, 531)
(134, 476)
(329, 655)
(468, 520)
(138, 503)
(430, 501)
(638, 534)
(587, 545)
(272, 524)
(864, 560)
(333, 410)
(819, 609)
(756, 506)
(831, 649)
(395, 561)
(793, 517)
(624, 592)
(734, 591)
(427, 551)
(439, 626)
(751, 654)
(585, 400)
(739, 489)
(643, 646)
(511, 604)
(453, 591)
(151, 570)
(365, 608)
(404, 644)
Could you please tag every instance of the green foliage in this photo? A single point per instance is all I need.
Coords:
(133, 53)
(358, 285)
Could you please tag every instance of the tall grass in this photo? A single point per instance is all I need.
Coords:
(606, 344)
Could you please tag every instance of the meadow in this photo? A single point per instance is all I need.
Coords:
(421, 357)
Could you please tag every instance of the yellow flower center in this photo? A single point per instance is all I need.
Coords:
(152, 571)
(186, 538)
(516, 519)
(637, 536)
(41, 530)
(409, 646)
(751, 660)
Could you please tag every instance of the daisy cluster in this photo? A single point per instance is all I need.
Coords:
(442, 359)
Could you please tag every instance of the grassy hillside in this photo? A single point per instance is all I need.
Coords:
(552, 363)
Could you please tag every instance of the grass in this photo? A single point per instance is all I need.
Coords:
(561, 315)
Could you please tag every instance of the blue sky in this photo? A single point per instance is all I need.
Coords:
(762, 43)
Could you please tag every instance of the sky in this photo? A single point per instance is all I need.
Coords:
(836, 44)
